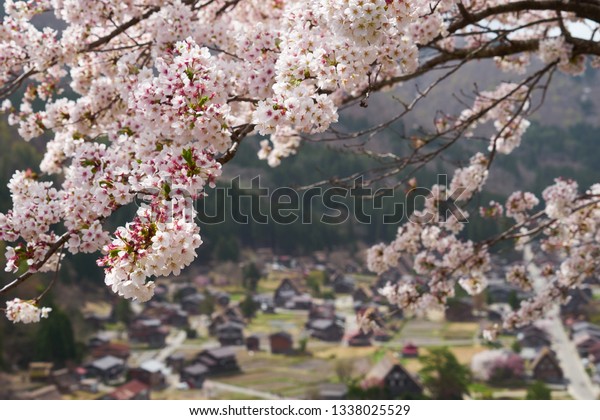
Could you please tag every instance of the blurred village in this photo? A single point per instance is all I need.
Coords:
(282, 327)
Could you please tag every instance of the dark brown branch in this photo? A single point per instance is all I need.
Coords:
(132, 22)
(585, 10)
(54, 279)
(57, 245)
(236, 138)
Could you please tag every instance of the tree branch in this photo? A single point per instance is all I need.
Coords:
(57, 245)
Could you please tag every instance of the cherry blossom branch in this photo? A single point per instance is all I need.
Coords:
(238, 135)
(36, 266)
(579, 8)
(54, 278)
(121, 29)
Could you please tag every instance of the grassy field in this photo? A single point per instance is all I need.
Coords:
(459, 330)
(270, 323)
(338, 352)
(464, 354)
(198, 341)
(288, 376)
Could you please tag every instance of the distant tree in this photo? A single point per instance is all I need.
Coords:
(227, 249)
(302, 344)
(327, 295)
(191, 333)
(344, 369)
(250, 276)
(55, 340)
(538, 391)
(497, 366)
(314, 280)
(249, 306)
(123, 311)
(513, 300)
(207, 306)
(443, 375)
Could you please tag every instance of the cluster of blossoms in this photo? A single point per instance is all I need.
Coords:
(493, 210)
(186, 101)
(557, 49)
(431, 241)
(497, 364)
(18, 310)
(519, 203)
(504, 107)
(513, 63)
(560, 198)
(331, 47)
(517, 275)
(468, 180)
(36, 207)
(155, 243)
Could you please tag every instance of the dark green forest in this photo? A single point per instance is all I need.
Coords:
(546, 153)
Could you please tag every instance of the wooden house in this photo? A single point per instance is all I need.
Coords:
(230, 334)
(533, 337)
(594, 353)
(107, 369)
(265, 302)
(120, 350)
(302, 302)
(194, 375)
(132, 390)
(219, 360)
(149, 331)
(193, 303)
(321, 311)
(584, 342)
(222, 298)
(224, 316)
(344, 284)
(546, 368)
(176, 362)
(359, 339)
(186, 290)
(392, 379)
(410, 351)
(98, 339)
(253, 343)
(65, 380)
(168, 314)
(151, 372)
(381, 336)
(281, 343)
(326, 330)
(582, 326)
(233, 313)
(286, 290)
